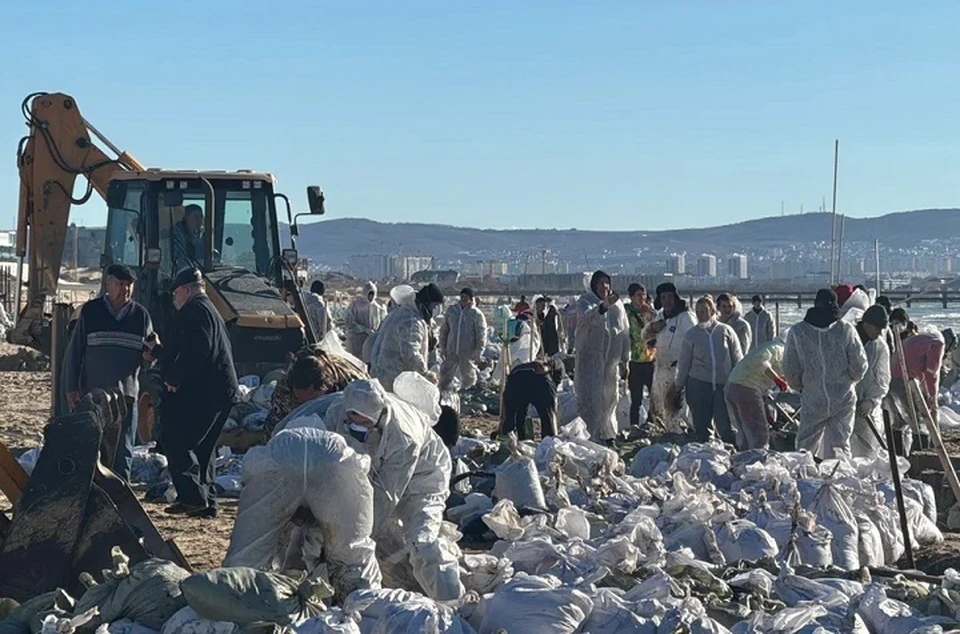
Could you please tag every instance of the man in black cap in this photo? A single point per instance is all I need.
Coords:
(463, 337)
(104, 352)
(403, 342)
(197, 369)
(868, 424)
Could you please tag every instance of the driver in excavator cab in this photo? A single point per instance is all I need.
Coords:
(186, 237)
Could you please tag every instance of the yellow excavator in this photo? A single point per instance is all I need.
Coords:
(238, 250)
(72, 508)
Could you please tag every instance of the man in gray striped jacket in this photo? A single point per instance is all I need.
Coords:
(106, 350)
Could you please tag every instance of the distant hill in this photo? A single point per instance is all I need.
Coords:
(333, 241)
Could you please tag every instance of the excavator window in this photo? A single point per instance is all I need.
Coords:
(125, 231)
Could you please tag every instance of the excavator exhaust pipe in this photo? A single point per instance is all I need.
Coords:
(74, 510)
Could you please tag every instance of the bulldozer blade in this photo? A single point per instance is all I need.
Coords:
(74, 510)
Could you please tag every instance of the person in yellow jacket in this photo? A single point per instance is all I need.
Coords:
(750, 380)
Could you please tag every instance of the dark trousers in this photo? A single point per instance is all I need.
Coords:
(640, 376)
(525, 388)
(123, 461)
(189, 439)
(708, 408)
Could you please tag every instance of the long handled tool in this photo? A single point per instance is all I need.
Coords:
(898, 490)
(937, 441)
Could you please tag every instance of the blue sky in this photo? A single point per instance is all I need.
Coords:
(548, 113)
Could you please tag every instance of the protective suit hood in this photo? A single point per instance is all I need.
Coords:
(366, 398)
(822, 316)
(368, 288)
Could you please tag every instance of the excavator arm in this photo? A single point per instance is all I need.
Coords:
(57, 149)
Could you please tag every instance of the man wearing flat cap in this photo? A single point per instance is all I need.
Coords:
(196, 364)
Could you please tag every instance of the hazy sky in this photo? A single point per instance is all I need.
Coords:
(548, 113)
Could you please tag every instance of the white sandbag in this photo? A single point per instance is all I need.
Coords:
(612, 615)
(504, 521)
(649, 459)
(924, 531)
(889, 616)
(833, 512)
(755, 580)
(786, 621)
(793, 589)
(125, 626)
(484, 573)
(517, 479)
(814, 543)
(474, 506)
(419, 392)
(742, 540)
(187, 621)
(369, 606)
(535, 605)
(690, 616)
(618, 553)
(334, 621)
(418, 616)
(573, 522)
(870, 542)
(566, 407)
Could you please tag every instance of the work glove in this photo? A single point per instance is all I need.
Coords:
(865, 409)
(781, 383)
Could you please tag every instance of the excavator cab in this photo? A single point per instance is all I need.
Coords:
(225, 224)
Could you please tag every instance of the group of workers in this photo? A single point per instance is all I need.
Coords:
(383, 456)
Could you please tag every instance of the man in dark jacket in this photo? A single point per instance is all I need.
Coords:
(104, 353)
(196, 364)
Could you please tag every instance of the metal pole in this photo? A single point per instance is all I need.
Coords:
(876, 255)
(843, 224)
(833, 222)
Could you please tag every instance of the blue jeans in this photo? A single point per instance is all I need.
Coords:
(128, 440)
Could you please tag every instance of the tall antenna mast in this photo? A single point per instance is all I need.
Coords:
(833, 220)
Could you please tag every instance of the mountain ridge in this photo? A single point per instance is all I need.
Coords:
(333, 241)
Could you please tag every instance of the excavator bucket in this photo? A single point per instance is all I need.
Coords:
(73, 509)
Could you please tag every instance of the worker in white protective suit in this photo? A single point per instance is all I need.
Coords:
(310, 477)
(410, 472)
(824, 360)
(603, 344)
(317, 312)
(667, 333)
(868, 425)
(463, 336)
(363, 317)
(762, 326)
(403, 342)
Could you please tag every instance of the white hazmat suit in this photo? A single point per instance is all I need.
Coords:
(402, 344)
(410, 471)
(824, 360)
(318, 314)
(463, 336)
(317, 470)
(362, 318)
(870, 392)
(603, 343)
(668, 345)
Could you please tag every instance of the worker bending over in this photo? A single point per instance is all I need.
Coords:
(310, 477)
(410, 472)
